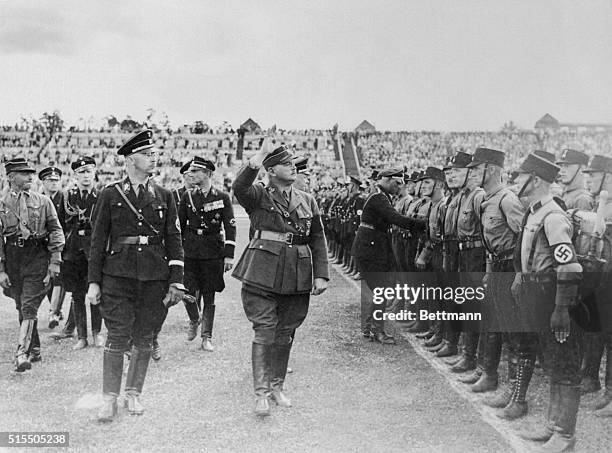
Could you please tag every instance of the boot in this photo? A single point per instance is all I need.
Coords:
(260, 358)
(452, 361)
(471, 378)
(563, 438)
(545, 431)
(207, 345)
(464, 364)
(503, 399)
(593, 352)
(383, 338)
(518, 406)
(192, 330)
(26, 330)
(57, 298)
(156, 350)
(208, 319)
(35, 354)
(425, 335)
(492, 353)
(134, 381)
(99, 340)
(279, 362)
(80, 344)
(112, 370)
(437, 347)
(448, 350)
(435, 340)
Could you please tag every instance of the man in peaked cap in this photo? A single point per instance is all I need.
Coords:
(177, 193)
(575, 195)
(30, 254)
(204, 212)
(302, 181)
(501, 214)
(79, 208)
(372, 251)
(353, 213)
(547, 282)
(135, 269)
(285, 262)
(51, 178)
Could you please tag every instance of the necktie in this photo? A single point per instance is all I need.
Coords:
(141, 191)
(286, 195)
(23, 215)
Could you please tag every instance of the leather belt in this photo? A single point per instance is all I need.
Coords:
(506, 255)
(202, 231)
(29, 242)
(287, 238)
(138, 240)
(84, 232)
(468, 245)
(367, 225)
(538, 278)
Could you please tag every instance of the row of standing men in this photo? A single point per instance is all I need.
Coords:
(463, 226)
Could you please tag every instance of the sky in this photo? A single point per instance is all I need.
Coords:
(401, 64)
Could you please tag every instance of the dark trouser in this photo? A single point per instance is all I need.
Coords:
(132, 310)
(26, 268)
(203, 278)
(471, 265)
(375, 275)
(398, 245)
(75, 280)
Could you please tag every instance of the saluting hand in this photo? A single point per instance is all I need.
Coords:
(319, 286)
(228, 263)
(93, 294)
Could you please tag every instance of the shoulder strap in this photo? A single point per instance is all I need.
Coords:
(535, 239)
(138, 215)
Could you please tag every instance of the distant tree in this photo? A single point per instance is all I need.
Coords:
(129, 125)
(112, 121)
(200, 127)
(52, 122)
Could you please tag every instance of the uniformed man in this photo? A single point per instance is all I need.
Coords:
(599, 338)
(353, 213)
(501, 214)
(284, 262)
(372, 246)
(136, 259)
(51, 178)
(546, 287)
(30, 254)
(80, 204)
(302, 181)
(204, 213)
(177, 193)
(401, 201)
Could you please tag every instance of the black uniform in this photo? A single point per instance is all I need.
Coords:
(201, 217)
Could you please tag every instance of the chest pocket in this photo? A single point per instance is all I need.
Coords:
(120, 213)
(34, 212)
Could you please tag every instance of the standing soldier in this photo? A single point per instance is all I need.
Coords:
(303, 174)
(202, 212)
(398, 239)
(30, 254)
(575, 195)
(546, 286)
(135, 259)
(51, 178)
(284, 262)
(177, 193)
(79, 207)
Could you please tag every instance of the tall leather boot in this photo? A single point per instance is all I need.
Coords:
(260, 358)
(208, 319)
(545, 431)
(492, 353)
(22, 361)
(593, 352)
(450, 348)
(468, 358)
(503, 399)
(112, 370)
(563, 438)
(135, 379)
(57, 298)
(603, 404)
(34, 351)
(280, 359)
(518, 406)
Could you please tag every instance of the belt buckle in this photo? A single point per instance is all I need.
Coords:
(461, 246)
(143, 240)
(289, 238)
(20, 242)
(81, 232)
(199, 231)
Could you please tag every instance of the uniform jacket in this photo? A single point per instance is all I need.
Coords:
(58, 202)
(375, 244)
(113, 219)
(274, 266)
(177, 194)
(78, 220)
(201, 217)
(42, 221)
(578, 198)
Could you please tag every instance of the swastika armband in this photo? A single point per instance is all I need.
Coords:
(563, 253)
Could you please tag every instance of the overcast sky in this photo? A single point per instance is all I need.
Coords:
(431, 64)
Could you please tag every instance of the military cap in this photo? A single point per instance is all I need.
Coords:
(391, 173)
(540, 167)
(18, 164)
(185, 167)
(199, 163)
(512, 176)
(599, 163)
(571, 156)
(545, 155)
(412, 177)
(50, 173)
(487, 156)
(82, 162)
(459, 160)
(301, 165)
(356, 181)
(139, 142)
(433, 173)
(280, 155)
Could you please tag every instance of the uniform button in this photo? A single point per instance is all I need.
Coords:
(140, 249)
(140, 210)
(261, 246)
(139, 223)
(290, 246)
(372, 243)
